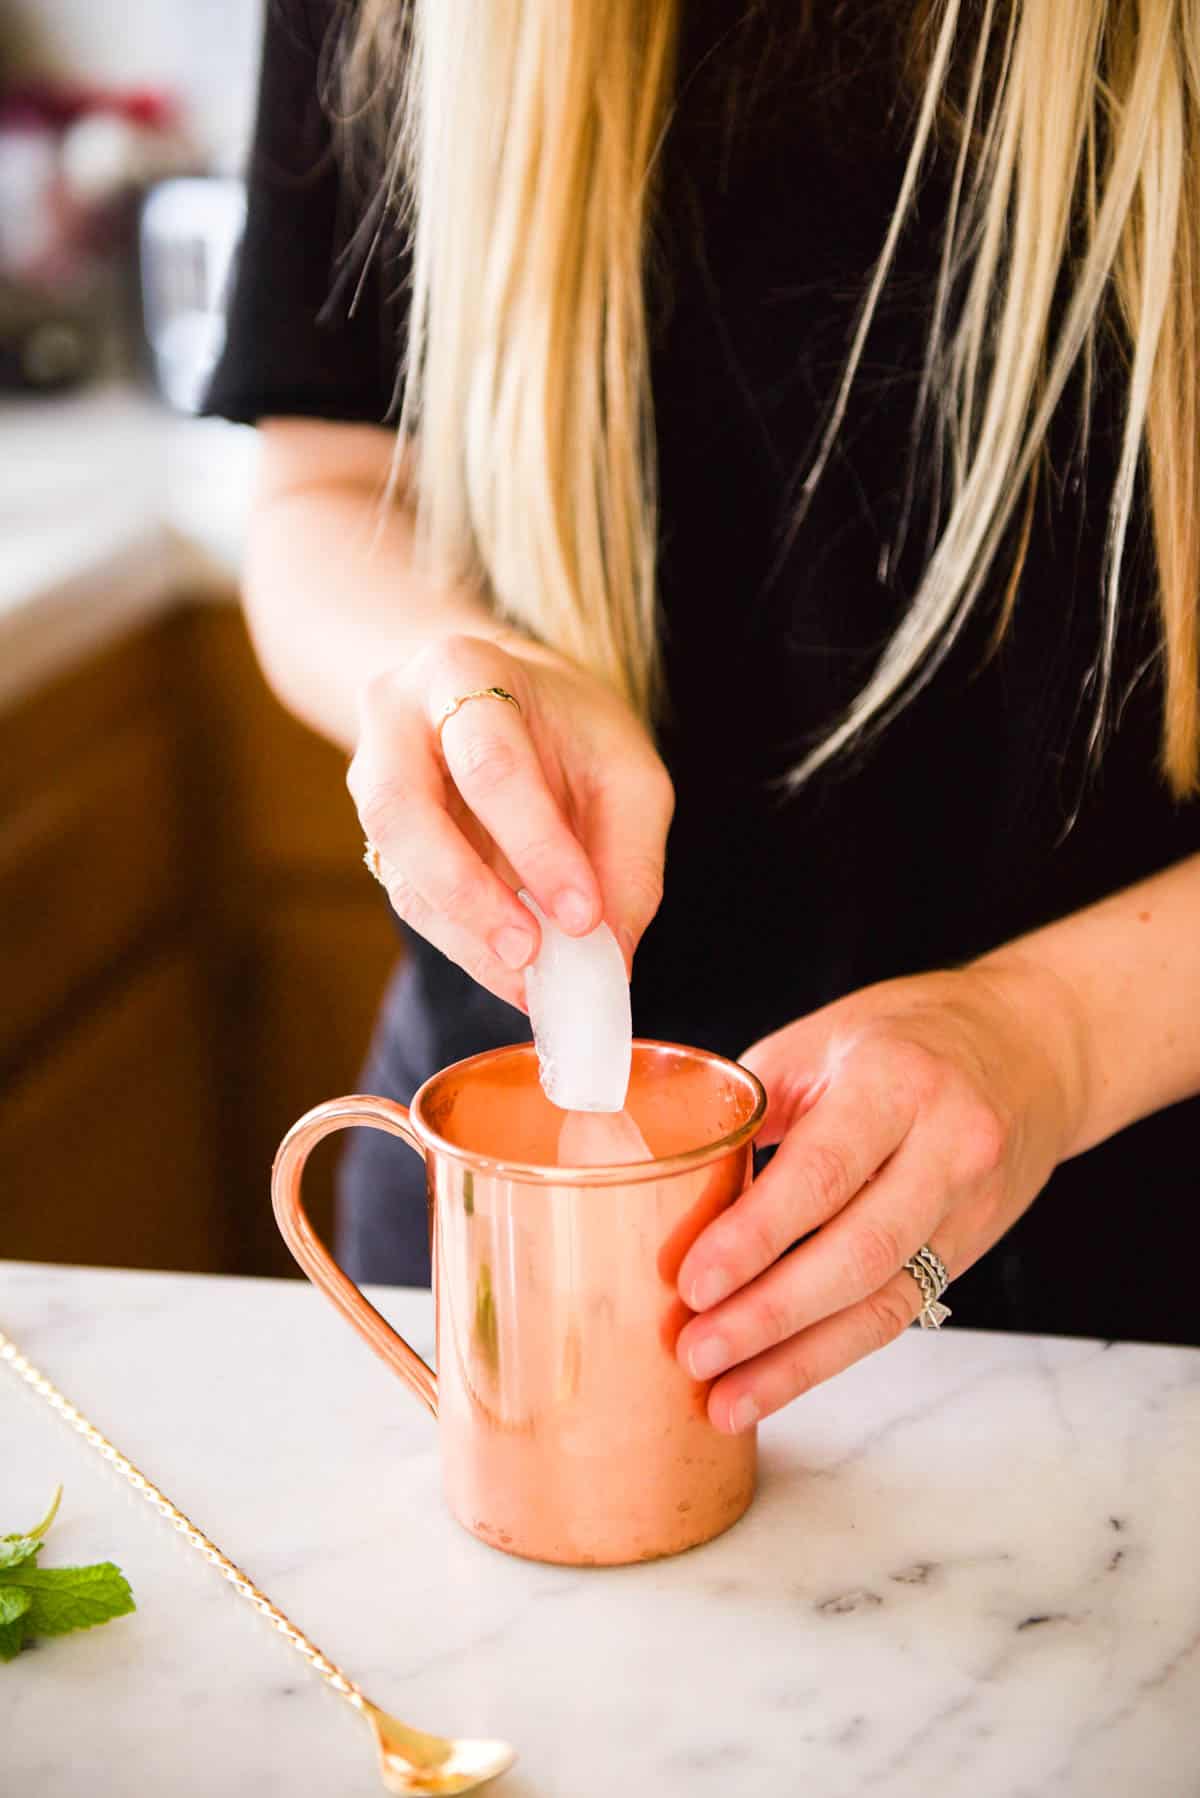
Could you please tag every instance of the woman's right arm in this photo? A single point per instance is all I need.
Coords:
(332, 591)
(568, 799)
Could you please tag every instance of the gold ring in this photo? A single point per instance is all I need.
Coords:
(456, 705)
(373, 860)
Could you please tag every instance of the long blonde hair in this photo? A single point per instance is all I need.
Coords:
(520, 141)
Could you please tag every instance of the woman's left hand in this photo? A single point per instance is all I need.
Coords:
(926, 1110)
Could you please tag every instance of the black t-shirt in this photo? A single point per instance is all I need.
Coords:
(972, 817)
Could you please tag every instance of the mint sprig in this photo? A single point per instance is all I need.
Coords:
(15, 1549)
(51, 1601)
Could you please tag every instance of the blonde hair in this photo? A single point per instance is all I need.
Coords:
(520, 140)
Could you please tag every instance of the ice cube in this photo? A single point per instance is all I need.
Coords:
(578, 998)
(601, 1139)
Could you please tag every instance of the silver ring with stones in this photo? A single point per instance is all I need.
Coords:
(929, 1271)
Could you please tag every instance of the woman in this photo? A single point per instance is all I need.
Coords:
(797, 418)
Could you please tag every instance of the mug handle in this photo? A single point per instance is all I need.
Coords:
(310, 1251)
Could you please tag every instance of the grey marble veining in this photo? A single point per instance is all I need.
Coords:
(973, 1568)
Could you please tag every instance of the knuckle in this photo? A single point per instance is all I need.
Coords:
(458, 894)
(379, 804)
(454, 662)
(771, 1321)
(405, 900)
(887, 1316)
(920, 1074)
(538, 852)
(644, 880)
(760, 1238)
(481, 966)
(799, 1377)
(827, 1177)
(424, 668)
(981, 1140)
(457, 649)
(380, 695)
(359, 776)
(485, 762)
(658, 789)
(875, 1255)
(442, 658)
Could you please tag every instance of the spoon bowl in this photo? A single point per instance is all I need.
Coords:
(412, 1762)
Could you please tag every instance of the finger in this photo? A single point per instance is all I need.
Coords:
(474, 957)
(781, 1374)
(625, 827)
(823, 1161)
(795, 1065)
(854, 1255)
(493, 763)
(429, 868)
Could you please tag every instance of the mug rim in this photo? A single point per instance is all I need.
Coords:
(627, 1173)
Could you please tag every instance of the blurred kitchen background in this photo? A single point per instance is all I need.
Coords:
(190, 949)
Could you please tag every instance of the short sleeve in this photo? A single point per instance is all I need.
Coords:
(308, 332)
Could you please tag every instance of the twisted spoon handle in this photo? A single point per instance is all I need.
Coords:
(242, 1584)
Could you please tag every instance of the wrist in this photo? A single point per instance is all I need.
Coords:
(1049, 1013)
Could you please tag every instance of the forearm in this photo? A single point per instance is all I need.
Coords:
(1119, 985)
(333, 591)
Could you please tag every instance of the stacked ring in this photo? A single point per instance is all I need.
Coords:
(929, 1271)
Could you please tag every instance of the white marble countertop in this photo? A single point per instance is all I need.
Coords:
(111, 508)
(972, 1568)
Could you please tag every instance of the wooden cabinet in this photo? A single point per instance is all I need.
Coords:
(308, 987)
(109, 1147)
(306, 939)
(191, 953)
(89, 867)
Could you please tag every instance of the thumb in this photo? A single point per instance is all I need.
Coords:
(795, 1065)
(626, 838)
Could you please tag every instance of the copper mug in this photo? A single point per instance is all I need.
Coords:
(569, 1431)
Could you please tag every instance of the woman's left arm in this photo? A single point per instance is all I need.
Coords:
(933, 1110)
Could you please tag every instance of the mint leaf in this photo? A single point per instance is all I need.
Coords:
(49, 1601)
(16, 1550)
(13, 1603)
(66, 1598)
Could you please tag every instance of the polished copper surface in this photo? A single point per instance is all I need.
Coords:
(569, 1431)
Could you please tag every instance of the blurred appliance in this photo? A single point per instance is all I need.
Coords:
(189, 237)
(73, 159)
(49, 322)
(47, 341)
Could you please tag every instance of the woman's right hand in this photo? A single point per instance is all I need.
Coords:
(567, 798)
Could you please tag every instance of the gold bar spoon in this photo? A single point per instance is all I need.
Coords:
(409, 1760)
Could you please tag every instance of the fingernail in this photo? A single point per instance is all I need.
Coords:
(514, 947)
(744, 1416)
(708, 1357)
(628, 944)
(573, 909)
(710, 1289)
